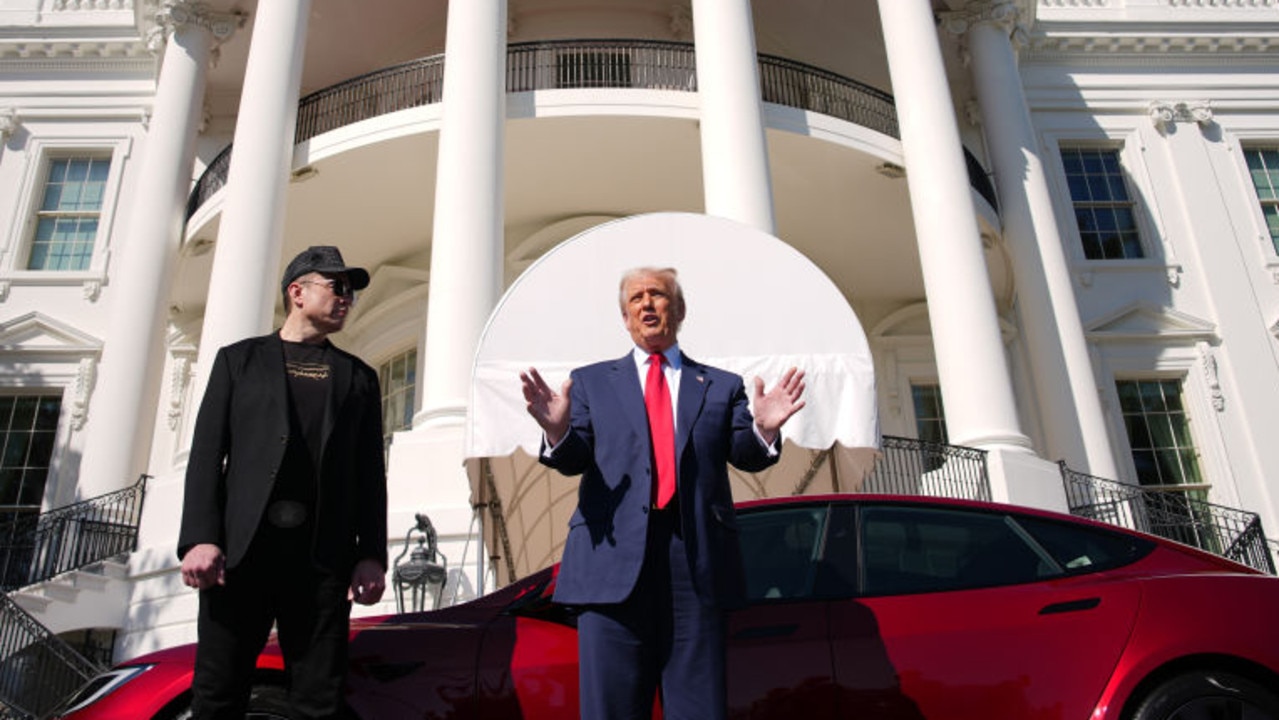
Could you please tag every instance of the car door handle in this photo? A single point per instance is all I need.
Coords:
(765, 631)
(1070, 606)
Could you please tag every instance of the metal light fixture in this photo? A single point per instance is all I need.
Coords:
(424, 573)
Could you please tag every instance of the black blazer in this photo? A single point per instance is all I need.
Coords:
(241, 434)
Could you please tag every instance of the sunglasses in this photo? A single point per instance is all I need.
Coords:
(340, 287)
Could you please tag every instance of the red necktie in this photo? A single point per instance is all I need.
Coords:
(661, 428)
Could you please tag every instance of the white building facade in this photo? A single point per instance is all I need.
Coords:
(1058, 221)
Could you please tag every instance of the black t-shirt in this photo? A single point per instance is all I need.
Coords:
(309, 372)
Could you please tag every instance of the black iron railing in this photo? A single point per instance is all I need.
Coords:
(636, 64)
(38, 671)
(1175, 514)
(915, 467)
(213, 180)
(40, 546)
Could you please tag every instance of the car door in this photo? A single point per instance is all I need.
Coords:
(974, 618)
(779, 662)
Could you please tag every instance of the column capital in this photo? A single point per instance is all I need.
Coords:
(177, 14)
(9, 123)
(1164, 113)
(1003, 13)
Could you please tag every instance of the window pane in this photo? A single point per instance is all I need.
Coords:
(10, 483)
(1085, 549)
(1104, 211)
(1158, 430)
(15, 450)
(397, 377)
(67, 222)
(1263, 168)
(930, 416)
(28, 430)
(916, 550)
(780, 551)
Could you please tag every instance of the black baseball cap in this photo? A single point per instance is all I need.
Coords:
(323, 259)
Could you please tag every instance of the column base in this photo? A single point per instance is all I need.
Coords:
(1018, 478)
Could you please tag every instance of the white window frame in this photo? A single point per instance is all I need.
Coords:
(1246, 140)
(1159, 255)
(56, 358)
(1189, 364)
(17, 249)
(417, 382)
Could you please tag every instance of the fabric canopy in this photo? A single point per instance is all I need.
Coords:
(756, 307)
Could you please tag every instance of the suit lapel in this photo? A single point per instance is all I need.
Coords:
(270, 365)
(630, 394)
(693, 383)
(339, 389)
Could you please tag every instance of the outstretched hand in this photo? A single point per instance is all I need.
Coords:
(774, 408)
(548, 408)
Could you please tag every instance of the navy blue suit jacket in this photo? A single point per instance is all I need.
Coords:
(608, 444)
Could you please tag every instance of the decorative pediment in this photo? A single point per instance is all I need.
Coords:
(1144, 322)
(36, 332)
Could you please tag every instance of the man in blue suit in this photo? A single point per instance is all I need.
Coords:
(652, 557)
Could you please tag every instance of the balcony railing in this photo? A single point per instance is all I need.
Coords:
(908, 466)
(637, 64)
(38, 671)
(1173, 514)
(36, 547)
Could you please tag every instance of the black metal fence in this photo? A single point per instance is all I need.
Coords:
(38, 671)
(1173, 514)
(40, 546)
(211, 181)
(915, 467)
(552, 65)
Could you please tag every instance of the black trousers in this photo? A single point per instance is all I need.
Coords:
(276, 583)
(660, 636)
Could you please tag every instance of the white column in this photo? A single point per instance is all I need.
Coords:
(975, 383)
(467, 249)
(1070, 406)
(425, 471)
(735, 177)
(120, 428)
(245, 279)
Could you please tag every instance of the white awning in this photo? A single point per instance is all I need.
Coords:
(756, 306)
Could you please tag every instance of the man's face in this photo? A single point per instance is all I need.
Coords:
(652, 314)
(325, 299)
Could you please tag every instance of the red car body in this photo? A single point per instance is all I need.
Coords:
(861, 606)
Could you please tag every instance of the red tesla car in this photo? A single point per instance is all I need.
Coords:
(861, 606)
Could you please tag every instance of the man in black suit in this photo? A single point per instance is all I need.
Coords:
(284, 517)
(652, 556)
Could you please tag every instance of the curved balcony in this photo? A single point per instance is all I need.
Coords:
(567, 64)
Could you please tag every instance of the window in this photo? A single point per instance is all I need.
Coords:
(1081, 549)
(930, 416)
(67, 218)
(1158, 432)
(1263, 167)
(781, 549)
(1104, 212)
(28, 425)
(917, 550)
(398, 378)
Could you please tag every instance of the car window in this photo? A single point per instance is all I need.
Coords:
(1082, 548)
(917, 550)
(781, 548)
